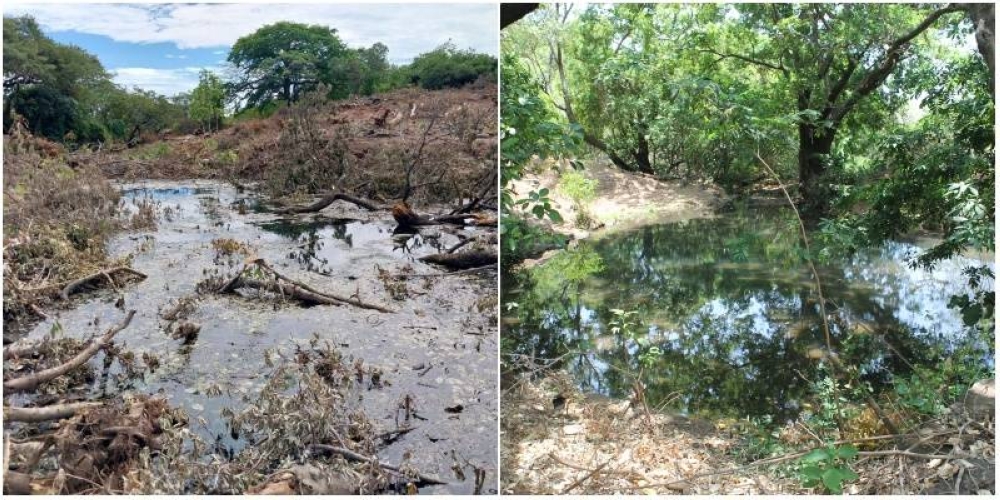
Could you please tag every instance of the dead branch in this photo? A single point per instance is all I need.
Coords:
(407, 218)
(328, 199)
(106, 275)
(295, 289)
(357, 457)
(585, 477)
(460, 244)
(487, 189)
(407, 187)
(471, 270)
(20, 350)
(45, 413)
(465, 260)
(29, 382)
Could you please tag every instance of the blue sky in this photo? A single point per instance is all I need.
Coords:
(162, 47)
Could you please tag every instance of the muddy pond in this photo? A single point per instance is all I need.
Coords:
(438, 346)
(722, 317)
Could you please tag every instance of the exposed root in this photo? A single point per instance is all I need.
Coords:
(32, 381)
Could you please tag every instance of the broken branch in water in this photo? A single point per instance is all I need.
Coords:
(328, 199)
(46, 413)
(357, 457)
(29, 382)
(298, 290)
(463, 260)
(105, 275)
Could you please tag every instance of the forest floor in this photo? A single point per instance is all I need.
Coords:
(269, 344)
(596, 445)
(624, 200)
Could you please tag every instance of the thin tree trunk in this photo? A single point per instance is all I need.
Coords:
(815, 146)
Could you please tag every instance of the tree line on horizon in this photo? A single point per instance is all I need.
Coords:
(65, 94)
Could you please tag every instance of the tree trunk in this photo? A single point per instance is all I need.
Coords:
(642, 162)
(983, 16)
(815, 145)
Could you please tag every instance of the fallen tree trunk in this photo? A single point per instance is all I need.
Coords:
(328, 199)
(106, 274)
(45, 413)
(407, 218)
(464, 260)
(29, 382)
(289, 287)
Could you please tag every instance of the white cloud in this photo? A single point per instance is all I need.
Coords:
(176, 56)
(407, 29)
(162, 81)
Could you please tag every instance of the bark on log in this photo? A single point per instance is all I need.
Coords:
(463, 260)
(29, 382)
(45, 413)
(407, 218)
(106, 275)
(16, 483)
(328, 199)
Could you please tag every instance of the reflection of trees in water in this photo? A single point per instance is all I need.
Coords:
(733, 310)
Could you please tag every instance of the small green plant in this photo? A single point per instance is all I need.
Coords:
(578, 187)
(627, 324)
(828, 467)
(581, 190)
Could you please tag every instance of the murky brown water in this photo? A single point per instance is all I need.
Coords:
(439, 325)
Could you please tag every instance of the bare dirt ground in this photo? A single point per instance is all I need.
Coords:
(624, 200)
(596, 445)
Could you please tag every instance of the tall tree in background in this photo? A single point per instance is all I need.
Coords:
(282, 61)
(830, 58)
(208, 101)
(32, 60)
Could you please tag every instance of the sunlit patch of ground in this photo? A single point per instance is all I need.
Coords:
(624, 199)
(601, 446)
(596, 445)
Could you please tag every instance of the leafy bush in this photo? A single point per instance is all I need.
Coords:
(446, 66)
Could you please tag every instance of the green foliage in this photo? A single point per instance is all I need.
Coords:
(828, 467)
(527, 129)
(208, 101)
(48, 112)
(284, 60)
(929, 390)
(578, 187)
(446, 66)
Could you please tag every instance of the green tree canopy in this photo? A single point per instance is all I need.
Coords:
(447, 66)
(284, 60)
(208, 100)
